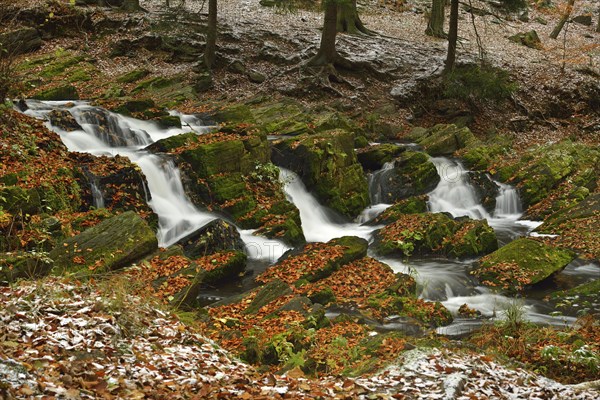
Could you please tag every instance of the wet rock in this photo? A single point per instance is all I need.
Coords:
(443, 140)
(266, 294)
(485, 188)
(436, 234)
(20, 41)
(529, 39)
(133, 76)
(114, 243)
(203, 82)
(65, 92)
(520, 263)
(327, 165)
(215, 236)
(64, 120)
(372, 158)
(22, 265)
(411, 205)
(413, 174)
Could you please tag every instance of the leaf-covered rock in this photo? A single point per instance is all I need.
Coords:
(114, 243)
(443, 140)
(520, 263)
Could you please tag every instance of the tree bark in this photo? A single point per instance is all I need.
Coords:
(327, 52)
(598, 25)
(452, 37)
(563, 20)
(348, 20)
(211, 35)
(435, 26)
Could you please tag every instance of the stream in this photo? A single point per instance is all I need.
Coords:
(438, 279)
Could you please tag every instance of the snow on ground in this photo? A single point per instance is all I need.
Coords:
(69, 340)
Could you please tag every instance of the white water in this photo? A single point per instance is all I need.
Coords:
(317, 224)
(374, 180)
(97, 196)
(508, 203)
(178, 217)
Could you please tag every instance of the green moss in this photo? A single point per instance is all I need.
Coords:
(473, 238)
(173, 142)
(65, 92)
(114, 243)
(23, 265)
(133, 76)
(443, 139)
(485, 83)
(324, 296)
(267, 294)
(374, 157)
(60, 65)
(533, 260)
(412, 205)
(479, 158)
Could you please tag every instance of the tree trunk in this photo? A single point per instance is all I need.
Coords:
(563, 20)
(327, 53)
(452, 36)
(211, 35)
(348, 20)
(598, 25)
(435, 26)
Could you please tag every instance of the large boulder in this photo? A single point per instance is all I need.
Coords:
(63, 92)
(114, 243)
(436, 234)
(374, 157)
(328, 166)
(413, 174)
(520, 263)
(316, 261)
(529, 39)
(215, 236)
(411, 205)
(442, 139)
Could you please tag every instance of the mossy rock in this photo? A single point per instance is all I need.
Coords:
(585, 209)
(327, 165)
(411, 205)
(173, 142)
(529, 39)
(480, 158)
(443, 140)
(413, 174)
(64, 92)
(133, 76)
(169, 121)
(521, 262)
(580, 300)
(266, 294)
(135, 106)
(436, 234)
(17, 200)
(215, 236)
(472, 238)
(372, 158)
(114, 243)
(21, 265)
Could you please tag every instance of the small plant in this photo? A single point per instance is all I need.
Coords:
(514, 313)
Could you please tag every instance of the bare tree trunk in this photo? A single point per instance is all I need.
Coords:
(327, 52)
(563, 20)
(435, 26)
(452, 37)
(598, 25)
(211, 35)
(348, 20)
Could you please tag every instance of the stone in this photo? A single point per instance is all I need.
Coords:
(413, 174)
(20, 41)
(256, 77)
(112, 244)
(215, 236)
(485, 188)
(529, 39)
(372, 158)
(443, 139)
(266, 294)
(64, 120)
(64, 92)
(327, 165)
(585, 19)
(520, 263)
(23, 265)
(238, 67)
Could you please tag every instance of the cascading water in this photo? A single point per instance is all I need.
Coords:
(317, 224)
(97, 197)
(374, 180)
(106, 133)
(508, 203)
(454, 194)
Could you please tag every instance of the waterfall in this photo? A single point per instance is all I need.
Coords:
(454, 194)
(374, 180)
(97, 197)
(317, 222)
(106, 133)
(508, 202)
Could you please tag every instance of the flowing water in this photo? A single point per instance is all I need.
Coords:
(438, 279)
(107, 133)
